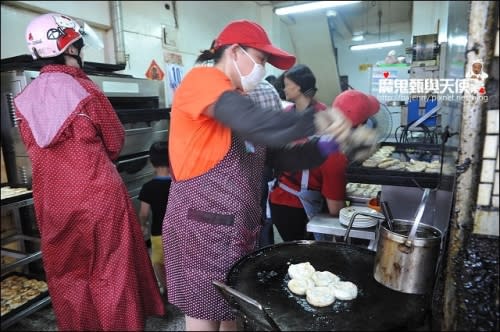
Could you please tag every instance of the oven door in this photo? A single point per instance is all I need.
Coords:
(142, 128)
(135, 170)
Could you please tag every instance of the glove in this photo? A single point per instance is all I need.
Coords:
(361, 144)
(327, 145)
(334, 123)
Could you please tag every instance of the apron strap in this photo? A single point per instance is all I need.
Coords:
(303, 183)
(288, 189)
(305, 179)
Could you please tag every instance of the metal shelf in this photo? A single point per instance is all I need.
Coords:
(22, 258)
(16, 202)
(26, 312)
(396, 178)
(357, 173)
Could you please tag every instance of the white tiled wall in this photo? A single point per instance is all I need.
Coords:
(486, 219)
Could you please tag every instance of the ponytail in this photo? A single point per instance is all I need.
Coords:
(310, 92)
(212, 54)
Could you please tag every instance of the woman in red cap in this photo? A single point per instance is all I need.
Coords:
(298, 196)
(218, 144)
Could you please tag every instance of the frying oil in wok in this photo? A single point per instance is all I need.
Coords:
(264, 276)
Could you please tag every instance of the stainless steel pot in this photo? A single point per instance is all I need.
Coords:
(407, 266)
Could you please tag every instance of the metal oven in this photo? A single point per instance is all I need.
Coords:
(139, 103)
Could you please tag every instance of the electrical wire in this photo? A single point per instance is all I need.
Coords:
(406, 135)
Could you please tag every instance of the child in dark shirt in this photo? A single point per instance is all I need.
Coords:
(153, 198)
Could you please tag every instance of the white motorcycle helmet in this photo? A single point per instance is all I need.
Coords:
(49, 35)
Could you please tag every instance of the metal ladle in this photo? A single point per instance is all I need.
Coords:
(387, 213)
(418, 217)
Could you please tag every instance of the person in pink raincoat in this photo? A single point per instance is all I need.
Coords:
(98, 271)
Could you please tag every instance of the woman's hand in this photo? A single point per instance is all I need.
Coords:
(333, 123)
(361, 144)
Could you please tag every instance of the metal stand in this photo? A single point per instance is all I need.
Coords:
(22, 257)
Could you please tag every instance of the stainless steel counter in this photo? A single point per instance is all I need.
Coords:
(326, 224)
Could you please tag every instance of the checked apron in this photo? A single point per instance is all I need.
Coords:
(211, 221)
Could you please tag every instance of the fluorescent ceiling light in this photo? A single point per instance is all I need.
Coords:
(358, 38)
(331, 12)
(376, 45)
(314, 5)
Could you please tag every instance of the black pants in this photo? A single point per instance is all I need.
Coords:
(266, 237)
(291, 222)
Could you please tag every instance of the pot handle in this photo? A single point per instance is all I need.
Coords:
(225, 290)
(351, 222)
(418, 217)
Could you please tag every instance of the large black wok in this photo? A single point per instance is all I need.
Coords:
(263, 277)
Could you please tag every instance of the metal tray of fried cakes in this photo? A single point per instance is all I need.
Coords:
(11, 195)
(404, 164)
(20, 291)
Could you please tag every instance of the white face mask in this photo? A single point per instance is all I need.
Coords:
(250, 81)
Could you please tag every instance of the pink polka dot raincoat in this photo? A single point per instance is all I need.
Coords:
(97, 267)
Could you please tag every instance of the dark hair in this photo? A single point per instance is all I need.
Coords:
(279, 85)
(79, 44)
(158, 154)
(56, 60)
(304, 78)
(271, 79)
(211, 54)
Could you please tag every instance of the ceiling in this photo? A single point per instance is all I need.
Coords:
(354, 18)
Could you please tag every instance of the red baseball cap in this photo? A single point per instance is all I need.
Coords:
(251, 34)
(356, 105)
